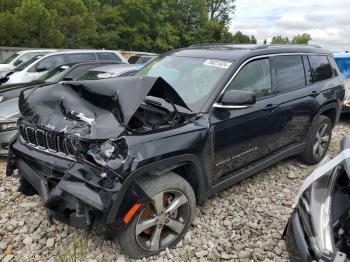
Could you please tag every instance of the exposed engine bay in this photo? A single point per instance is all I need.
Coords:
(154, 114)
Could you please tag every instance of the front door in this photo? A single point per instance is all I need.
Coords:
(243, 136)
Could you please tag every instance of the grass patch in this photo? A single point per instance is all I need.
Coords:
(76, 251)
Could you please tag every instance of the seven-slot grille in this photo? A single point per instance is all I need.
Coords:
(44, 140)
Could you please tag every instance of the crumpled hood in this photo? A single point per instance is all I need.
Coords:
(97, 109)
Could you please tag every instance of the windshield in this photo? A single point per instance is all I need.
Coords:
(10, 58)
(344, 65)
(55, 74)
(27, 63)
(192, 78)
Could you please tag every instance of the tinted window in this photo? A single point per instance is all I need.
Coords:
(255, 77)
(321, 69)
(51, 62)
(81, 57)
(289, 72)
(108, 56)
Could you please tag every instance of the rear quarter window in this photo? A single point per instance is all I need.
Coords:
(108, 56)
(288, 72)
(320, 67)
(80, 57)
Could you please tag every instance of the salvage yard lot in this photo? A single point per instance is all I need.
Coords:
(244, 222)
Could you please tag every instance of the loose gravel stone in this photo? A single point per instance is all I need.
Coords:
(243, 223)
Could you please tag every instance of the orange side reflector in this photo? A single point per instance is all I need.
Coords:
(131, 213)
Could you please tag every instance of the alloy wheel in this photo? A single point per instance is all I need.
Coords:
(162, 221)
(322, 140)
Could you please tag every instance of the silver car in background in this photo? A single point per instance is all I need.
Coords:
(9, 113)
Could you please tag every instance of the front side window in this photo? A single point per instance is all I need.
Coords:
(254, 77)
(27, 63)
(321, 68)
(193, 78)
(81, 57)
(50, 62)
(54, 75)
(289, 72)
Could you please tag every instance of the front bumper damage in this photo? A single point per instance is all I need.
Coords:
(72, 192)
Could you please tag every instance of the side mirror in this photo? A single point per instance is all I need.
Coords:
(236, 99)
(18, 62)
(41, 68)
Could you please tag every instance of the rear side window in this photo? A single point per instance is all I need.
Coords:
(320, 67)
(289, 72)
(255, 77)
(108, 56)
(80, 57)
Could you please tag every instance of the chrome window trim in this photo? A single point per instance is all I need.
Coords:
(216, 102)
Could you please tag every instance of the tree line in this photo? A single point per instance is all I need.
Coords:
(152, 25)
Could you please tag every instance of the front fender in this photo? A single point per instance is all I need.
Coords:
(157, 169)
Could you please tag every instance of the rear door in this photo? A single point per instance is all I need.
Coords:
(295, 99)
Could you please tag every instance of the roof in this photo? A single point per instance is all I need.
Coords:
(36, 51)
(235, 52)
(341, 55)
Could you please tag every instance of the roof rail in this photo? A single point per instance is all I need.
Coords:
(250, 46)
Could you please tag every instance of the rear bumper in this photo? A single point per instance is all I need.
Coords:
(71, 192)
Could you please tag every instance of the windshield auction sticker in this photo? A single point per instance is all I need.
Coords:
(217, 63)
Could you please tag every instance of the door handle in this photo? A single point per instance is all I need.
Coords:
(270, 107)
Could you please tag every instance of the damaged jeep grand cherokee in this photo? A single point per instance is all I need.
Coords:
(137, 154)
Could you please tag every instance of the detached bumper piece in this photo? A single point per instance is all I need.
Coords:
(75, 197)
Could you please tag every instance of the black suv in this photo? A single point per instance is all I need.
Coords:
(137, 154)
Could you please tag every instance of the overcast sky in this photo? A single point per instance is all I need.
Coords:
(328, 21)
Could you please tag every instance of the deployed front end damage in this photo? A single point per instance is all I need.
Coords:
(78, 142)
(319, 228)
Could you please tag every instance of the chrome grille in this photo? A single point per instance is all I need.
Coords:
(44, 140)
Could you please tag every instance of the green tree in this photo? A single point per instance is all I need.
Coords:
(75, 22)
(39, 29)
(253, 40)
(241, 38)
(11, 29)
(220, 10)
(301, 39)
(279, 40)
(9, 5)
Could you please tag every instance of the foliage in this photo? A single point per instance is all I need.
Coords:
(153, 25)
(298, 39)
(279, 40)
(301, 39)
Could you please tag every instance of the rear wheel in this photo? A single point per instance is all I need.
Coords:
(319, 140)
(163, 221)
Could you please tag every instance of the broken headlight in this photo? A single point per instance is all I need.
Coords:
(109, 153)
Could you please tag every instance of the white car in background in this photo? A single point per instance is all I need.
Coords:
(39, 65)
(20, 57)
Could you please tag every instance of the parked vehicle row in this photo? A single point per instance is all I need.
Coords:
(136, 154)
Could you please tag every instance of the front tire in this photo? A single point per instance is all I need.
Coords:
(163, 221)
(318, 141)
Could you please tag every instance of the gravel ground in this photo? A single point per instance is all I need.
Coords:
(244, 222)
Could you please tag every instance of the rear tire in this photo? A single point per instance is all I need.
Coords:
(318, 141)
(164, 221)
